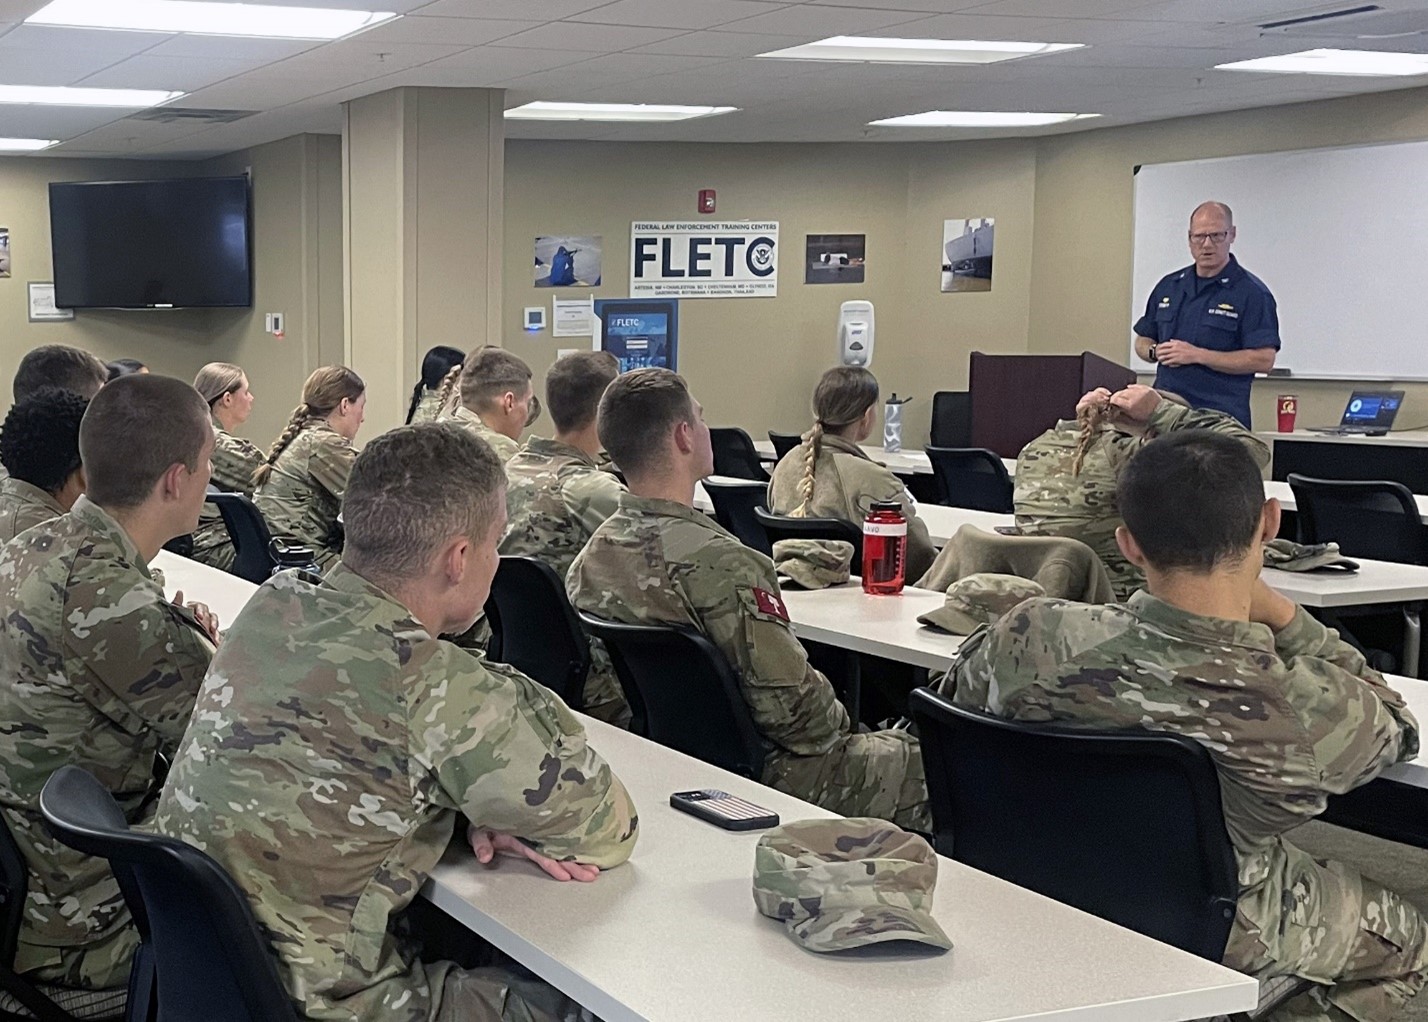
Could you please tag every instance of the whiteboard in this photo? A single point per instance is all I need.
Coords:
(1340, 236)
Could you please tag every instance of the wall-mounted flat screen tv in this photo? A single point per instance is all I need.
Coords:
(182, 243)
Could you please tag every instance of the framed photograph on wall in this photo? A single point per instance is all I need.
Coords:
(42, 303)
(835, 258)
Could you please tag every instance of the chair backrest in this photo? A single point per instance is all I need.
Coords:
(971, 477)
(249, 532)
(210, 958)
(535, 629)
(951, 419)
(1378, 519)
(735, 454)
(683, 693)
(779, 527)
(734, 502)
(14, 885)
(783, 443)
(1125, 825)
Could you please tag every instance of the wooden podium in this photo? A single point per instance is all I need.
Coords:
(1016, 398)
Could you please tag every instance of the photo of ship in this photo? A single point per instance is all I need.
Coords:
(967, 254)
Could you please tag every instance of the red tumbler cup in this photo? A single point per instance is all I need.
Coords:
(1288, 409)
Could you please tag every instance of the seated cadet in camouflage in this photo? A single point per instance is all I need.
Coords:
(58, 365)
(97, 668)
(558, 495)
(495, 402)
(658, 561)
(299, 485)
(1066, 478)
(1289, 713)
(39, 447)
(337, 741)
(225, 387)
(829, 476)
(426, 395)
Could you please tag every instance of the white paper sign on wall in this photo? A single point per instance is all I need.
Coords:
(702, 259)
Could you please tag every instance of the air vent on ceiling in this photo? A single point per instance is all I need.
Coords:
(1315, 19)
(1355, 26)
(190, 115)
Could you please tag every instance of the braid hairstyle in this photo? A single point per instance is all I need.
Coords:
(324, 390)
(435, 364)
(446, 393)
(1090, 419)
(843, 396)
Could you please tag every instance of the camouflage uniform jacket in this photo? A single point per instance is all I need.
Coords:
(327, 781)
(303, 497)
(234, 459)
(504, 446)
(555, 499)
(658, 561)
(428, 407)
(1050, 501)
(1289, 718)
(23, 505)
(845, 483)
(98, 669)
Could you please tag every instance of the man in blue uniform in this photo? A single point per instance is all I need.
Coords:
(1211, 326)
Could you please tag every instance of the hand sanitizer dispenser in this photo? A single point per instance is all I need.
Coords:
(855, 334)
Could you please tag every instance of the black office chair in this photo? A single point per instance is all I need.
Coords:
(783, 443)
(734, 503)
(535, 630)
(210, 960)
(951, 419)
(779, 527)
(250, 536)
(1377, 519)
(683, 693)
(735, 454)
(20, 998)
(971, 477)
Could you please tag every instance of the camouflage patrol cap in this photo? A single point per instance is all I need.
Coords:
(1287, 555)
(978, 600)
(844, 883)
(814, 563)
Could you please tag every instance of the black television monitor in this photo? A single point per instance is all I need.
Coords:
(181, 243)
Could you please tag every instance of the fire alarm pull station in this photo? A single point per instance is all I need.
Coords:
(706, 200)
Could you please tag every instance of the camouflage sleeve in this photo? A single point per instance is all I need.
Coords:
(331, 464)
(592, 498)
(139, 660)
(1169, 417)
(1360, 724)
(792, 703)
(513, 758)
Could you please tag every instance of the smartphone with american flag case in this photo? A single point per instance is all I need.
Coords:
(723, 810)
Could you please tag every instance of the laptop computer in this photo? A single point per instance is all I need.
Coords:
(1370, 412)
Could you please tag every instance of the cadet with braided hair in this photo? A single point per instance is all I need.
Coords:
(436, 365)
(39, 446)
(301, 481)
(829, 476)
(497, 401)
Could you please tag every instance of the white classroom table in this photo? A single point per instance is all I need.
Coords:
(1374, 582)
(910, 461)
(885, 626)
(1406, 438)
(673, 935)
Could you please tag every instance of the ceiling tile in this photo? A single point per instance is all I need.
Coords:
(721, 44)
(183, 74)
(52, 121)
(1063, 8)
(924, 6)
(229, 48)
(59, 40)
(46, 67)
(550, 10)
(421, 29)
(676, 13)
(822, 22)
(487, 64)
(380, 58)
(567, 35)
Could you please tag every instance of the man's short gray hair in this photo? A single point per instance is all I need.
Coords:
(411, 491)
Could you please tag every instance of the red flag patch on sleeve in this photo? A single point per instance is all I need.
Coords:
(770, 603)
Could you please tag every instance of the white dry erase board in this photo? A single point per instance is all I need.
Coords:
(1339, 235)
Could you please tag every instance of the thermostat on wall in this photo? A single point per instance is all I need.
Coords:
(535, 318)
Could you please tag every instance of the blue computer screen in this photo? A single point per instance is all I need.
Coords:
(1367, 408)
(639, 339)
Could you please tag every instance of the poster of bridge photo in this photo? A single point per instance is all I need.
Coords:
(967, 254)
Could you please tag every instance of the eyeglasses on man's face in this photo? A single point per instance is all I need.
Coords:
(1210, 238)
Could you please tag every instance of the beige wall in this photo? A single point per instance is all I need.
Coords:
(754, 361)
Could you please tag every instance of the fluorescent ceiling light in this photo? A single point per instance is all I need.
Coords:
(1336, 62)
(650, 112)
(917, 51)
(977, 119)
(202, 18)
(26, 145)
(63, 95)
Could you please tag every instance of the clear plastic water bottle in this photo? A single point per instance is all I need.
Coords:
(884, 548)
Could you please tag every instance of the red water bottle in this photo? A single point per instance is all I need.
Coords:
(884, 548)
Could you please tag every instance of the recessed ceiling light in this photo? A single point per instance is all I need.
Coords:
(544, 111)
(977, 119)
(1336, 62)
(26, 145)
(917, 51)
(63, 95)
(203, 18)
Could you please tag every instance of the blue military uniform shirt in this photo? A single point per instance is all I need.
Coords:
(1230, 312)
